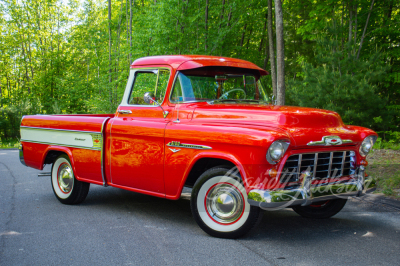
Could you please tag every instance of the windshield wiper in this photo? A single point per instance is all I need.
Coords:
(236, 100)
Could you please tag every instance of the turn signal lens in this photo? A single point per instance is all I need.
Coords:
(364, 163)
(272, 172)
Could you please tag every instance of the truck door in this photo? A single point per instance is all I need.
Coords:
(136, 158)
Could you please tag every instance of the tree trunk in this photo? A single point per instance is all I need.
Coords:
(355, 27)
(280, 55)
(1, 95)
(271, 49)
(206, 27)
(222, 14)
(341, 32)
(266, 55)
(365, 29)
(248, 39)
(263, 32)
(109, 48)
(229, 17)
(242, 39)
(130, 31)
(350, 24)
(127, 31)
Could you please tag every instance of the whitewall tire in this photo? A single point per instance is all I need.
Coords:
(219, 204)
(66, 187)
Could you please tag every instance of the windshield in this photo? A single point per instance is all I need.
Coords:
(230, 88)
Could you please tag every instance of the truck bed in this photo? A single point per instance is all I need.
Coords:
(80, 136)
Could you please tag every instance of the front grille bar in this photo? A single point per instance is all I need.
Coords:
(343, 160)
(323, 165)
(300, 160)
(315, 165)
(330, 164)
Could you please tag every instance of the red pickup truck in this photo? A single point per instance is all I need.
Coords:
(205, 123)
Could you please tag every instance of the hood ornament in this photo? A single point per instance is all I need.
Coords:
(329, 141)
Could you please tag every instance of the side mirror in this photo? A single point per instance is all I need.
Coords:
(148, 98)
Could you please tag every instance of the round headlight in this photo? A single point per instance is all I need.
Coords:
(366, 145)
(276, 150)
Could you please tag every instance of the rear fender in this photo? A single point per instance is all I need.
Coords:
(65, 150)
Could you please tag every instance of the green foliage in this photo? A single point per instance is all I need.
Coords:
(10, 143)
(388, 140)
(344, 84)
(55, 53)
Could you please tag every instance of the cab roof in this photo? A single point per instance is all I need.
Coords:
(184, 62)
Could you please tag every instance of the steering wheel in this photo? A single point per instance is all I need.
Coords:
(237, 89)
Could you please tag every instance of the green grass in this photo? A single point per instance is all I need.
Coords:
(385, 167)
(381, 144)
(390, 140)
(9, 143)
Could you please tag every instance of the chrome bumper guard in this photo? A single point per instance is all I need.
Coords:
(307, 194)
(21, 154)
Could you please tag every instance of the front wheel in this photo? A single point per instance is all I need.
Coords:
(219, 204)
(66, 187)
(321, 210)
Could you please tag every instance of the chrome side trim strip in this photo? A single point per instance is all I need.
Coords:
(63, 145)
(103, 137)
(188, 146)
(109, 150)
(347, 141)
(55, 129)
(67, 138)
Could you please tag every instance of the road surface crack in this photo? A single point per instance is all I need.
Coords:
(11, 211)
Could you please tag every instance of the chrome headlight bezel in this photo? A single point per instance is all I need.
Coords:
(366, 145)
(276, 151)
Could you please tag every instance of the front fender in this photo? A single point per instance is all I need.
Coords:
(207, 154)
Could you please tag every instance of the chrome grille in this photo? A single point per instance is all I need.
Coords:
(322, 165)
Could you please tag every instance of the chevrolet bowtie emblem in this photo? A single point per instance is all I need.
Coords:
(329, 141)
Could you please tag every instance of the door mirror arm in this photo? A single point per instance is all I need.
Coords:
(148, 98)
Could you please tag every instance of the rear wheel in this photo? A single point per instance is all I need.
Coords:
(219, 204)
(321, 210)
(66, 187)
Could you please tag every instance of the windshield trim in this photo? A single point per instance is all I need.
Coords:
(202, 101)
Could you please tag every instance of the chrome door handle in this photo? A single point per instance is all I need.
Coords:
(125, 111)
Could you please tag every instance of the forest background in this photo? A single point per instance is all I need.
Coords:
(60, 56)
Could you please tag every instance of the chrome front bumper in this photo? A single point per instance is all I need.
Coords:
(307, 194)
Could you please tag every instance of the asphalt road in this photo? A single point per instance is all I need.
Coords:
(114, 226)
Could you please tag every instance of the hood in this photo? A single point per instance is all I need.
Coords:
(304, 125)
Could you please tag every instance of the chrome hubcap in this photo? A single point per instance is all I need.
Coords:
(224, 203)
(65, 178)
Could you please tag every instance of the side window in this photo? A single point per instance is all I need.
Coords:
(191, 88)
(154, 81)
(163, 77)
(176, 95)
